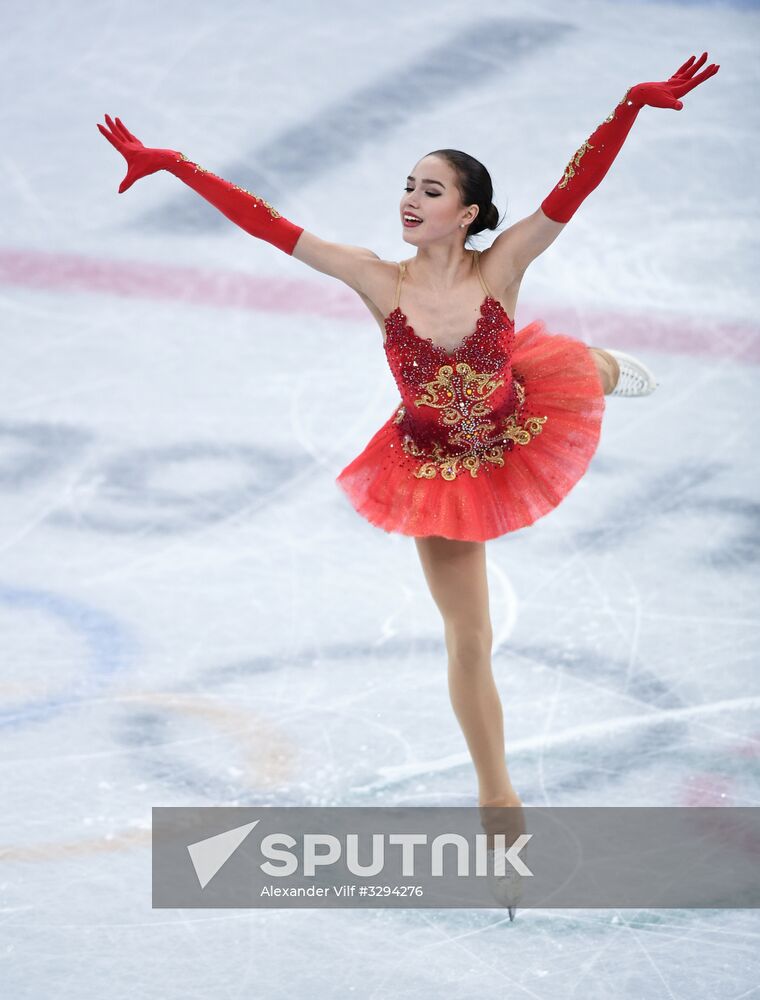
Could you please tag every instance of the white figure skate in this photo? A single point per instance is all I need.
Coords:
(635, 378)
(505, 889)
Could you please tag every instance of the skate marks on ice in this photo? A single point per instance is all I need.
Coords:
(130, 490)
(694, 502)
(327, 139)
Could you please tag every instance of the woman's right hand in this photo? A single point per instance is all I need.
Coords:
(141, 160)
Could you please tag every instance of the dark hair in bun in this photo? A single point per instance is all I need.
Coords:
(475, 188)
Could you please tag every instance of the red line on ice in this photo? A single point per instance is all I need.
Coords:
(67, 272)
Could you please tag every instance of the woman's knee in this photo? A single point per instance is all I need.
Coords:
(469, 644)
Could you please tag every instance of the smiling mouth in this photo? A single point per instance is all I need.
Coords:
(410, 223)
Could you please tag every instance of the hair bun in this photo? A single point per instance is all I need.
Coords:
(475, 188)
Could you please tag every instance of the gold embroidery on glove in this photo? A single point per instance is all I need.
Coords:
(575, 161)
(272, 211)
(624, 98)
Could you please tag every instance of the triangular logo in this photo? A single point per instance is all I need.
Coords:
(209, 855)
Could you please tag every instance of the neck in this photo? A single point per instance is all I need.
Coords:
(441, 268)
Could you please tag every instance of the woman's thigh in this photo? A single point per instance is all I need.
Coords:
(456, 575)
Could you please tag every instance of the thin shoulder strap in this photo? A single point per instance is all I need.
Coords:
(477, 266)
(401, 269)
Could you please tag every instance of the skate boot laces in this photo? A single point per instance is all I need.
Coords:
(635, 378)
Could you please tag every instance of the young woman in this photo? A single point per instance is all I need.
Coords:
(494, 427)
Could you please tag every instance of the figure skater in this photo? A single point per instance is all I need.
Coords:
(494, 427)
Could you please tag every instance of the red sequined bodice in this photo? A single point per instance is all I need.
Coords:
(461, 407)
(453, 397)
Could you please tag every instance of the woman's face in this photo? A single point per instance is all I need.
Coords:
(432, 195)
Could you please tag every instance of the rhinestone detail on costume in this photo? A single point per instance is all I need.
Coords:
(259, 201)
(482, 448)
(471, 407)
(575, 159)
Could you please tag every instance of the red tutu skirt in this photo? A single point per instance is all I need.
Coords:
(560, 382)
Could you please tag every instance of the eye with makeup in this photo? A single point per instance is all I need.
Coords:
(430, 194)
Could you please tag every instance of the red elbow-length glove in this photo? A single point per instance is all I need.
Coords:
(594, 158)
(248, 211)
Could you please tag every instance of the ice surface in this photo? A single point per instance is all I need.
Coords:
(192, 614)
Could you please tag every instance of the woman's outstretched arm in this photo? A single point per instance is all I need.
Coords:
(515, 248)
(245, 209)
(248, 211)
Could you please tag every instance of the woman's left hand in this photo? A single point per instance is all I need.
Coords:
(665, 95)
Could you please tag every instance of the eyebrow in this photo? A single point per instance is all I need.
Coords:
(427, 180)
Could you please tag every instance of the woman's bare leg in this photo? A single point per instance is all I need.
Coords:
(608, 368)
(456, 575)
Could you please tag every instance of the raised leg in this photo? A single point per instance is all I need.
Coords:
(456, 575)
(608, 368)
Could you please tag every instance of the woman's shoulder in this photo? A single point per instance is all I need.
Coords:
(379, 282)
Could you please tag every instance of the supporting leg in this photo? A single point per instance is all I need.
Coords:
(456, 575)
